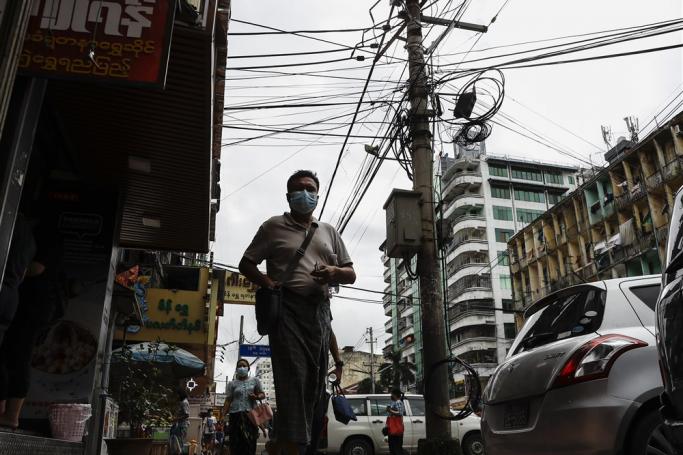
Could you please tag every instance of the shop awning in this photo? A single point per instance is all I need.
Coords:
(154, 146)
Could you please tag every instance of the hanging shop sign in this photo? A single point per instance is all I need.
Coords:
(124, 41)
(173, 317)
(239, 290)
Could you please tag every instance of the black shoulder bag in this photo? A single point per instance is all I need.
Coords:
(269, 301)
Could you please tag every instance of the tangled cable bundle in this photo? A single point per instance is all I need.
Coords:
(474, 127)
(472, 383)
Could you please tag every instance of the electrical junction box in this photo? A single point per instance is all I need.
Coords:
(404, 223)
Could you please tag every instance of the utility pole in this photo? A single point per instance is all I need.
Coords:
(372, 358)
(433, 330)
(241, 342)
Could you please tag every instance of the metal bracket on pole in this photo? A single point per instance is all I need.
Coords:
(451, 25)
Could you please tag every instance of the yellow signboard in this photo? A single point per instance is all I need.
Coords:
(239, 290)
(174, 316)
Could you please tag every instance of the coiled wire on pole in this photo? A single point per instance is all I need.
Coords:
(474, 127)
(471, 382)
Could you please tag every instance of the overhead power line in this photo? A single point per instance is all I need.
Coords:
(290, 32)
(288, 106)
(291, 131)
(287, 54)
(285, 65)
(300, 34)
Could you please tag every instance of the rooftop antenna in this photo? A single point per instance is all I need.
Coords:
(632, 125)
(607, 135)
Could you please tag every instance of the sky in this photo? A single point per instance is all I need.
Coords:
(564, 104)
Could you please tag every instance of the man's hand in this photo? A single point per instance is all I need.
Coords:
(338, 371)
(253, 396)
(270, 284)
(326, 274)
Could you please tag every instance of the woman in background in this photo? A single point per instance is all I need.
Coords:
(242, 394)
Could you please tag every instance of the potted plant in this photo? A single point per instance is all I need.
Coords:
(145, 399)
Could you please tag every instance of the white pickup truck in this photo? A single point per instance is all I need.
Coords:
(364, 437)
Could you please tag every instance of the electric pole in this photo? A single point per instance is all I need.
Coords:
(372, 358)
(241, 339)
(433, 331)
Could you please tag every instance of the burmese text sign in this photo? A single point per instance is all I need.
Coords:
(239, 290)
(121, 40)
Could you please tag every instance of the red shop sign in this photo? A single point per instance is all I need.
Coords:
(125, 41)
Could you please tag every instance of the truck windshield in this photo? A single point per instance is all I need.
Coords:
(568, 316)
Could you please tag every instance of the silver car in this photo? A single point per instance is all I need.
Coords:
(581, 376)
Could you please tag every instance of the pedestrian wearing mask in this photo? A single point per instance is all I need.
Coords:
(242, 394)
(300, 340)
(395, 423)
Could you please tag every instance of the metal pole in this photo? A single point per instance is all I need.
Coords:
(433, 331)
(372, 360)
(241, 330)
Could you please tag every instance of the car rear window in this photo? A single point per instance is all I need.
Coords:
(359, 406)
(568, 316)
(647, 294)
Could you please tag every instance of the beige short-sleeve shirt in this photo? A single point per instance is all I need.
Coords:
(278, 239)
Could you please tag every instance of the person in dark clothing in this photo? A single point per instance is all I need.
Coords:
(41, 300)
(21, 253)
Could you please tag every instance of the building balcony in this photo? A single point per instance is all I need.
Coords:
(468, 222)
(474, 344)
(655, 182)
(588, 272)
(388, 308)
(388, 349)
(471, 288)
(389, 326)
(472, 269)
(462, 204)
(474, 244)
(406, 331)
(459, 184)
(387, 275)
(463, 164)
(473, 318)
(672, 169)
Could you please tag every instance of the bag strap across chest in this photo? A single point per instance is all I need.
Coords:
(299, 253)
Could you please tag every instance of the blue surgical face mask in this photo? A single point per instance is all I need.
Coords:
(242, 372)
(303, 202)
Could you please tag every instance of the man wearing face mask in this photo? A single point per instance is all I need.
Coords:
(301, 340)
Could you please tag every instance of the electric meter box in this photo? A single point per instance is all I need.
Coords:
(404, 223)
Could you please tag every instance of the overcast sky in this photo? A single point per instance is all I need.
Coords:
(566, 104)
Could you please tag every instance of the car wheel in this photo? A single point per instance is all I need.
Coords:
(648, 436)
(358, 446)
(473, 444)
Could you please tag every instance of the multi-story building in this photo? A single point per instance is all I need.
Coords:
(614, 225)
(264, 371)
(485, 199)
(401, 305)
(358, 366)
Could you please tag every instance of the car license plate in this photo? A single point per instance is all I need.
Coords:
(516, 416)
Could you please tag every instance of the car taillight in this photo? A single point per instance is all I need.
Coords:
(594, 359)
